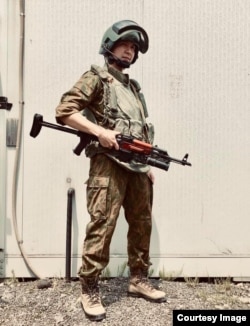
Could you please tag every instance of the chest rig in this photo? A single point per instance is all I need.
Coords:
(118, 117)
(124, 106)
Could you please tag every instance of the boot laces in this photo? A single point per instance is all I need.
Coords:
(144, 281)
(93, 293)
(94, 298)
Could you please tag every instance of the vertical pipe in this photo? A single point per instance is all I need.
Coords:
(19, 138)
(71, 192)
(3, 152)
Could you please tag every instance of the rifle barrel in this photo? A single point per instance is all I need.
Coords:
(182, 162)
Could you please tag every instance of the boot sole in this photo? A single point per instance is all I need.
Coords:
(139, 295)
(95, 317)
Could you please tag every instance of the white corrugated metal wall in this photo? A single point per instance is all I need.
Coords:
(195, 78)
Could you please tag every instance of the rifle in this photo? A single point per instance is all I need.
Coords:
(130, 148)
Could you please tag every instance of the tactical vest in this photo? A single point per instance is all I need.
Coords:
(125, 111)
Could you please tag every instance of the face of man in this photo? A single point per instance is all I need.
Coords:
(125, 51)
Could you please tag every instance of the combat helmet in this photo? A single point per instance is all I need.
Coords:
(124, 30)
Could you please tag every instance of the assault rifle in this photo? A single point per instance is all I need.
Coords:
(130, 148)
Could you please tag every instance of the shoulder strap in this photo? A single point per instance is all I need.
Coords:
(103, 74)
(108, 92)
(136, 85)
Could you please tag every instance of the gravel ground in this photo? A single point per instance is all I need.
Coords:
(24, 303)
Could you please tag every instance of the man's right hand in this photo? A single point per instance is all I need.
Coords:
(107, 138)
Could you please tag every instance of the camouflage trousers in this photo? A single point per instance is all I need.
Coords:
(109, 188)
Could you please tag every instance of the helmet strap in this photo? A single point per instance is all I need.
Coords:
(114, 59)
(119, 62)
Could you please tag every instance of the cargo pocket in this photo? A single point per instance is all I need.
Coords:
(97, 197)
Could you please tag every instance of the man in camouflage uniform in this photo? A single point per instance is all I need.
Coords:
(113, 104)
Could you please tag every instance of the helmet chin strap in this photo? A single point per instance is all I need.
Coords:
(114, 59)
